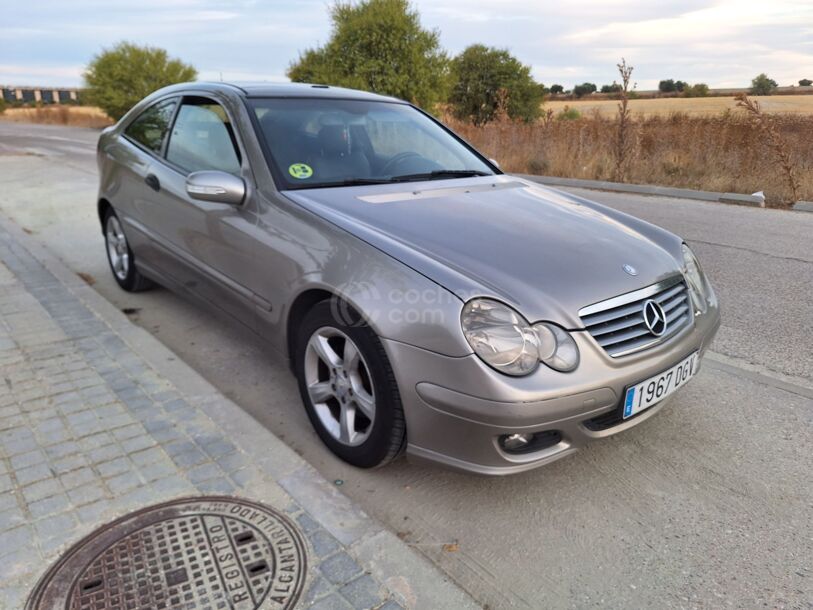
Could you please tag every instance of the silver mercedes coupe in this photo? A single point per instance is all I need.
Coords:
(427, 303)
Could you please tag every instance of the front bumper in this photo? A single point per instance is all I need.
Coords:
(457, 408)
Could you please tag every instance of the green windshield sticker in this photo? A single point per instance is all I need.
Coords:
(300, 171)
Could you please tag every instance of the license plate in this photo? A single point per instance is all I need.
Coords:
(653, 390)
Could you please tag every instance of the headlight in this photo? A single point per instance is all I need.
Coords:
(557, 348)
(504, 340)
(500, 336)
(694, 275)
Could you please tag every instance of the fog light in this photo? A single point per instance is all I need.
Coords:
(521, 444)
(515, 442)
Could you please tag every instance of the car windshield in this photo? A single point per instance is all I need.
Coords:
(331, 142)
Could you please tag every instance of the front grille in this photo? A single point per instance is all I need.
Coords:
(618, 325)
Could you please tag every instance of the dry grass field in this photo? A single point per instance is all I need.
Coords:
(74, 116)
(693, 106)
(725, 153)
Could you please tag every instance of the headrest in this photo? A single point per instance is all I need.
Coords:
(334, 140)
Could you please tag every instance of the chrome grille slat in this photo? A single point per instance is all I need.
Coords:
(613, 314)
(618, 326)
(626, 336)
(667, 307)
(665, 296)
(621, 325)
(675, 314)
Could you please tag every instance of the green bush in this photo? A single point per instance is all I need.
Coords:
(762, 85)
(484, 79)
(117, 78)
(696, 90)
(2, 105)
(568, 114)
(614, 88)
(380, 46)
(557, 89)
(584, 89)
(805, 82)
(667, 86)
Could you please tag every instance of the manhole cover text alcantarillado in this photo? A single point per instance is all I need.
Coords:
(206, 553)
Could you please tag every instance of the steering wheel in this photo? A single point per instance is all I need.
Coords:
(396, 159)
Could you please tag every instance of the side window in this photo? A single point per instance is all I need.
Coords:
(203, 138)
(150, 127)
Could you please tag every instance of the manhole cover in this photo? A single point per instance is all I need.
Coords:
(199, 553)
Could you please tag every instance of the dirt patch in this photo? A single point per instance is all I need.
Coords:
(88, 279)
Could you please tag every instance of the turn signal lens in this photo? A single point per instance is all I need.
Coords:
(694, 277)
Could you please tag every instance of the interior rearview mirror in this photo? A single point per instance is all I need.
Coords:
(494, 162)
(219, 187)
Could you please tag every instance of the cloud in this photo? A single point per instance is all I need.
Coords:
(721, 42)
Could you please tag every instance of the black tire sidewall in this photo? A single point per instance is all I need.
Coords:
(378, 447)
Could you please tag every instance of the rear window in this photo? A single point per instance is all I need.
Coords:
(150, 127)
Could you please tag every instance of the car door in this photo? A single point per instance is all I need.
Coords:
(207, 246)
(134, 155)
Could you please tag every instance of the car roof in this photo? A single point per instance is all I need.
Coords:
(301, 90)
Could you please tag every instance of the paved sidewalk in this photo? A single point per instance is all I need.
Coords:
(98, 419)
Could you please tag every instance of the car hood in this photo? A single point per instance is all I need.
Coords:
(546, 253)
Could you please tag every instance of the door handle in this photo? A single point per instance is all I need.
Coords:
(153, 182)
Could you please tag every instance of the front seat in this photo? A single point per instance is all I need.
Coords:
(338, 158)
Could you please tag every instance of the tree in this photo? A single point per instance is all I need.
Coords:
(762, 85)
(614, 88)
(380, 46)
(584, 89)
(117, 78)
(696, 90)
(805, 82)
(681, 85)
(557, 89)
(484, 77)
(667, 86)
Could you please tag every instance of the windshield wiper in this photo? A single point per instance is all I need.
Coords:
(347, 182)
(440, 173)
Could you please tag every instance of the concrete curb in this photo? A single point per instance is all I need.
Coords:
(412, 578)
(803, 206)
(646, 189)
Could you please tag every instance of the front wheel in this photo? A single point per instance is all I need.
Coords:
(349, 389)
(120, 256)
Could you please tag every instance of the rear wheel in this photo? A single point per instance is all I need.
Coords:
(120, 256)
(349, 390)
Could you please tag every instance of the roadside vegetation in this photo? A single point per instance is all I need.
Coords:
(59, 114)
(683, 134)
(726, 153)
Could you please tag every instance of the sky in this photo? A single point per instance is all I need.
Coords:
(723, 43)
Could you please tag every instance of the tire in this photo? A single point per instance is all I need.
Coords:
(121, 257)
(366, 442)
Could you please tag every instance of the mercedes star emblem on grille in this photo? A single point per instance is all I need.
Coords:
(654, 317)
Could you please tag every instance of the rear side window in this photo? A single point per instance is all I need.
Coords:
(150, 127)
(203, 138)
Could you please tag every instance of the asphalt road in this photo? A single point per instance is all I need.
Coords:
(707, 505)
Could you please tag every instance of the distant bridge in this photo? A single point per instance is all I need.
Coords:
(46, 95)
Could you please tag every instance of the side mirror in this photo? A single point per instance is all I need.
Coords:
(219, 187)
(494, 163)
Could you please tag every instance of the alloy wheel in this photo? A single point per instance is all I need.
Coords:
(117, 250)
(339, 385)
